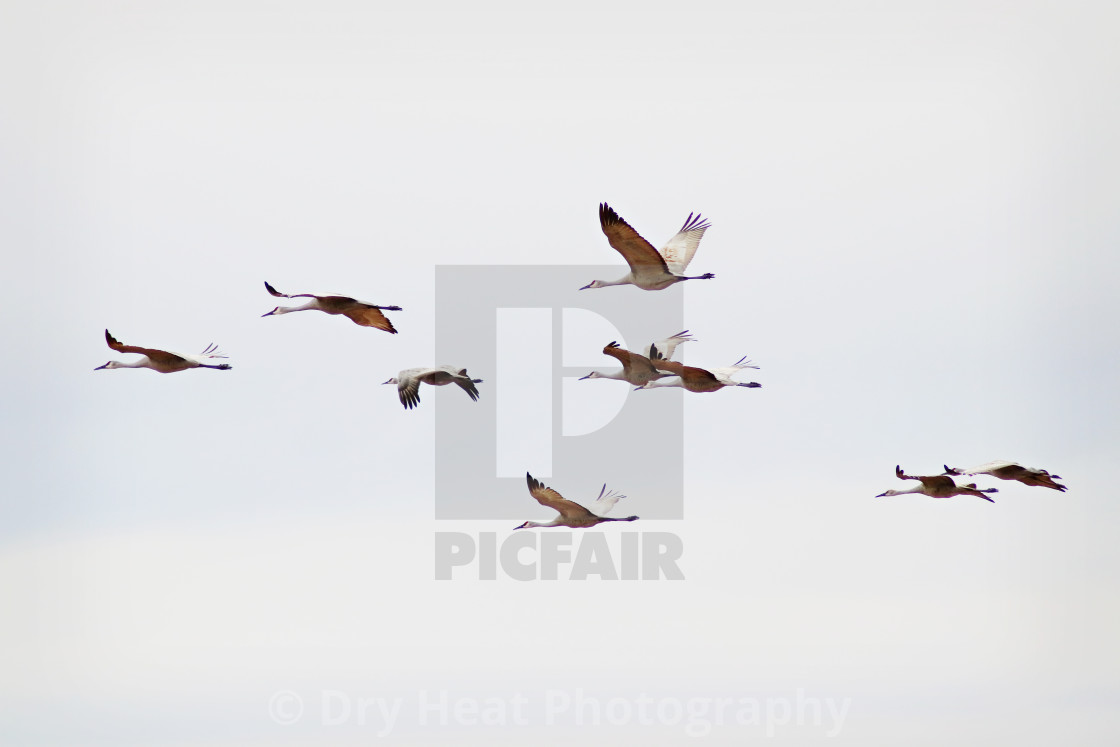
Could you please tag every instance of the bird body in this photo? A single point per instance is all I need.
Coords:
(571, 514)
(637, 369)
(701, 380)
(163, 361)
(408, 382)
(938, 486)
(650, 269)
(361, 313)
(1012, 471)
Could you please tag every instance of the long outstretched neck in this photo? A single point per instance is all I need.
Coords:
(627, 279)
(536, 524)
(673, 380)
(310, 305)
(143, 362)
(915, 489)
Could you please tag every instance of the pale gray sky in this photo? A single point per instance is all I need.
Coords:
(913, 232)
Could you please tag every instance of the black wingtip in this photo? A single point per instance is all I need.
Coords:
(607, 215)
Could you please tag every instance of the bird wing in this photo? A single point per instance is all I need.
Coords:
(988, 468)
(683, 371)
(939, 482)
(681, 248)
(278, 294)
(631, 362)
(466, 383)
(549, 497)
(637, 252)
(666, 347)
(408, 388)
(929, 481)
(368, 316)
(902, 475)
(729, 371)
(156, 355)
(605, 502)
(671, 366)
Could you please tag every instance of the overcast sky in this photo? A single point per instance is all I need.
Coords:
(914, 233)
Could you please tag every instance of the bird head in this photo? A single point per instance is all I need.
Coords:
(274, 311)
(594, 284)
(592, 375)
(888, 493)
(110, 364)
(390, 381)
(523, 526)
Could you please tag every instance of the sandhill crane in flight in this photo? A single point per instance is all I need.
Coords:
(650, 269)
(164, 361)
(636, 367)
(700, 379)
(359, 312)
(408, 382)
(572, 514)
(1012, 471)
(938, 486)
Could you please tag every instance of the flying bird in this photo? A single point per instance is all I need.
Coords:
(649, 269)
(571, 514)
(408, 382)
(361, 313)
(938, 486)
(636, 367)
(1012, 471)
(699, 379)
(163, 361)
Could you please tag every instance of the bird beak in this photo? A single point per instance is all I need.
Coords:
(588, 376)
(880, 495)
(101, 367)
(390, 381)
(587, 286)
(271, 312)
